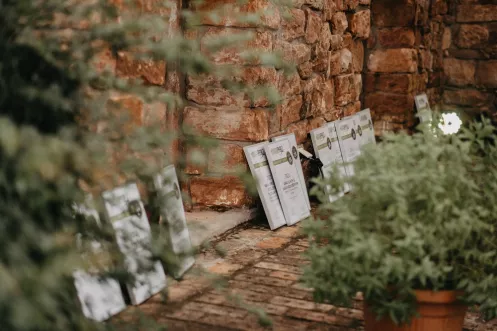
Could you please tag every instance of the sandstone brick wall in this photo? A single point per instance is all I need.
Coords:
(325, 38)
(404, 58)
(470, 56)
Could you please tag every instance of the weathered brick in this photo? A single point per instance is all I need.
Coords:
(152, 72)
(293, 27)
(393, 60)
(317, 4)
(228, 123)
(472, 36)
(340, 62)
(313, 26)
(486, 73)
(261, 40)
(396, 37)
(476, 13)
(226, 158)
(393, 12)
(339, 23)
(289, 85)
(104, 61)
(347, 88)
(207, 92)
(392, 83)
(225, 191)
(293, 52)
(299, 129)
(467, 97)
(389, 103)
(360, 24)
(357, 49)
(231, 13)
(289, 111)
(459, 72)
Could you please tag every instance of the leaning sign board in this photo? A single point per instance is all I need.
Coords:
(337, 156)
(173, 216)
(298, 165)
(349, 141)
(100, 298)
(365, 128)
(125, 211)
(256, 157)
(327, 150)
(423, 108)
(287, 181)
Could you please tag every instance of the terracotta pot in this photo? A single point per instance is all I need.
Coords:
(438, 311)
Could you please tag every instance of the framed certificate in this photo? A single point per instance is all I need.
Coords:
(125, 211)
(100, 298)
(298, 164)
(287, 181)
(423, 108)
(173, 217)
(365, 128)
(259, 166)
(327, 149)
(348, 139)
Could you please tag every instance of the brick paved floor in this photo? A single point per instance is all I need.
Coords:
(262, 269)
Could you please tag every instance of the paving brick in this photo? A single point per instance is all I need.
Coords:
(293, 303)
(273, 242)
(292, 261)
(258, 271)
(287, 232)
(272, 291)
(224, 268)
(252, 294)
(215, 309)
(285, 275)
(320, 317)
(278, 267)
(213, 298)
(270, 281)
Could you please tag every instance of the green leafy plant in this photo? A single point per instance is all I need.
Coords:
(64, 132)
(421, 215)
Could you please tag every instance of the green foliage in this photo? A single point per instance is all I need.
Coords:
(60, 134)
(421, 215)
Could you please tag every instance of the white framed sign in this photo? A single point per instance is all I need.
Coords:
(423, 108)
(348, 139)
(327, 149)
(298, 164)
(287, 181)
(125, 211)
(100, 298)
(365, 128)
(173, 216)
(259, 167)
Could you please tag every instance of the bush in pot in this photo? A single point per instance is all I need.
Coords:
(419, 222)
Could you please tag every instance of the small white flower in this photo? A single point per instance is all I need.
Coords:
(450, 123)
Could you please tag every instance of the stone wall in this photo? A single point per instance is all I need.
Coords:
(404, 58)
(470, 57)
(324, 38)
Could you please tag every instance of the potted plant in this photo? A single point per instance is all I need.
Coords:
(416, 235)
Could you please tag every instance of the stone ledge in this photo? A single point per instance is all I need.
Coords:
(205, 225)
